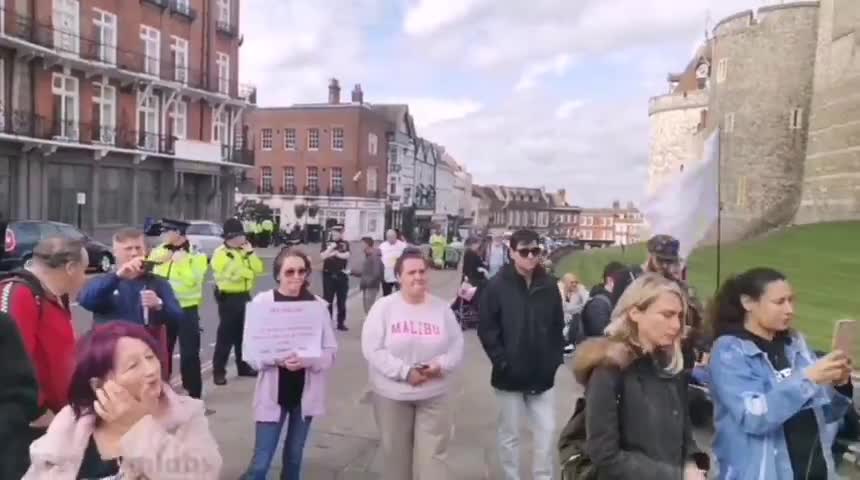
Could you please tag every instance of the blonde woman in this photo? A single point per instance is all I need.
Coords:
(636, 411)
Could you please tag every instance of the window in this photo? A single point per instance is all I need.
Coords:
(407, 195)
(66, 106)
(729, 123)
(224, 11)
(223, 63)
(106, 35)
(104, 113)
(219, 127)
(741, 197)
(179, 47)
(393, 189)
(266, 179)
(796, 120)
(372, 146)
(147, 121)
(151, 49)
(289, 178)
(289, 139)
(313, 178)
(66, 19)
(371, 180)
(266, 139)
(64, 182)
(337, 139)
(178, 116)
(149, 203)
(337, 179)
(313, 139)
(114, 195)
(722, 70)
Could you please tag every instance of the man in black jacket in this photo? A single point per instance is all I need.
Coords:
(19, 397)
(521, 329)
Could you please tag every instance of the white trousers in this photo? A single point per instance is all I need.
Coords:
(540, 412)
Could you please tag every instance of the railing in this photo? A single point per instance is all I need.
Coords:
(312, 190)
(227, 28)
(265, 189)
(248, 93)
(289, 189)
(27, 29)
(183, 9)
(237, 155)
(335, 191)
(157, 3)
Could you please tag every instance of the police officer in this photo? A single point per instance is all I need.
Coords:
(235, 267)
(185, 268)
(268, 229)
(335, 274)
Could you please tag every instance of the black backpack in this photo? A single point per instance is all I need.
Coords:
(587, 324)
(575, 464)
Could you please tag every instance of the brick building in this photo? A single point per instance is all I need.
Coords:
(330, 156)
(564, 217)
(130, 103)
(610, 226)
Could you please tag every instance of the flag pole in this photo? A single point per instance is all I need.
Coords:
(721, 126)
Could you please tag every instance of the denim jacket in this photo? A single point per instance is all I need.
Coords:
(752, 402)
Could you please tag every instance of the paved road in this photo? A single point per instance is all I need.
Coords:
(209, 313)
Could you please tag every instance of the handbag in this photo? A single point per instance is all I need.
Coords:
(466, 291)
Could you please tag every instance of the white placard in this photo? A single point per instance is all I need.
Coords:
(82, 198)
(274, 330)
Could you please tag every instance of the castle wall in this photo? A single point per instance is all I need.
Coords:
(768, 61)
(831, 186)
(675, 120)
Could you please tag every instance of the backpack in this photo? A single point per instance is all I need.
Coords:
(575, 464)
(587, 323)
(8, 280)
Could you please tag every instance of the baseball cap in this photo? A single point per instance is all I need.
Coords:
(664, 247)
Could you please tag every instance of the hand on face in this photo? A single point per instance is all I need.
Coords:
(131, 269)
(116, 405)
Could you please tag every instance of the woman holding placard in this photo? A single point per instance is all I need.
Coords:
(291, 391)
(413, 344)
(777, 407)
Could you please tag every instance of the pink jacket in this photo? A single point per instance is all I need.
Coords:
(266, 407)
(178, 446)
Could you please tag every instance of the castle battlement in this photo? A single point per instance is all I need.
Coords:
(748, 19)
(678, 101)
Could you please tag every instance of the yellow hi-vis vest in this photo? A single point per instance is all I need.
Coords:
(186, 277)
(268, 226)
(235, 270)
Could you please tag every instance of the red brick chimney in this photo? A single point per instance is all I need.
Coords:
(333, 92)
(357, 94)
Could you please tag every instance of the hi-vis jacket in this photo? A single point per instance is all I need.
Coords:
(186, 277)
(235, 270)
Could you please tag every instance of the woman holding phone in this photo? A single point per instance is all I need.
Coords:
(291, 392)
(413, 344)
(122, 420)
(777, 407)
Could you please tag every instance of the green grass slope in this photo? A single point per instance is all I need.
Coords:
(821, 261)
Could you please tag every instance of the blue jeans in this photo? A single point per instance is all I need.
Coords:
(266, 443)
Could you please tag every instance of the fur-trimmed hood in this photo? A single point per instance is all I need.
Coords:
(601, 351)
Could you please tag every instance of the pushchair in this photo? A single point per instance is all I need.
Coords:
(465, 306)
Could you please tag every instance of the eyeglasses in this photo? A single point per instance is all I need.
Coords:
(524, 252)
(292, 272)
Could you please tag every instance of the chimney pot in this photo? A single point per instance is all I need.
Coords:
(333, 92)
(357, 94)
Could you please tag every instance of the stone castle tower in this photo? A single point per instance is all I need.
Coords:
(762, 68)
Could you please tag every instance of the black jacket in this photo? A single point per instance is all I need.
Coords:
(521, 330)
(597, 312)
(471, 263)
(19, 400)
(636, 416)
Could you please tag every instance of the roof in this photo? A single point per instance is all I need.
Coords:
(399, 115)
(686, 80)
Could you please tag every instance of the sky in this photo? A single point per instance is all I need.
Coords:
(550, 93)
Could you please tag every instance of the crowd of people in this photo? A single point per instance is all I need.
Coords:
(101, 406)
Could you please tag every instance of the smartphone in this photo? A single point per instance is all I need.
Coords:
(148, 265)
(845, 338)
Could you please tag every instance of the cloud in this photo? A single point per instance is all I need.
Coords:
(567, 108)
(428, 111)
(427, 17)
(556, 65)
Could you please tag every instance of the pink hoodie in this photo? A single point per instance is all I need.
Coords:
(177, 446)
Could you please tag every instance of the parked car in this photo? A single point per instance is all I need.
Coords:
(22, 236)
(206, 236)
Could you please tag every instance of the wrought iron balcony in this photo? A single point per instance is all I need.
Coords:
(265, 189)
(241, 156)
(183, 9)
(227, 28)
(335, 191)
(158, 3)
(312, 190)
(289, 189)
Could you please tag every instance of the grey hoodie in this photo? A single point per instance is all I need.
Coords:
(372, 270)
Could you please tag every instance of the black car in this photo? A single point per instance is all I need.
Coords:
(22, 236)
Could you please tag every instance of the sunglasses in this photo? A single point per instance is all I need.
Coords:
(524, 252)
(292, 272)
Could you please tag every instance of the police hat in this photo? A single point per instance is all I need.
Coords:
(178, 226)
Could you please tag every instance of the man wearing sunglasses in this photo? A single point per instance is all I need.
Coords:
(521, 329)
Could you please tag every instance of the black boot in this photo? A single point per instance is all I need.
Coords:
(247, 371)
(342, 328)
(219, 379)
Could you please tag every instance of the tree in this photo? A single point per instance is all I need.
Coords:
(313, 210)
(300, 209)
(251, 210)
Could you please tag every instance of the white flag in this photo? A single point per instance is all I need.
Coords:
(687, 205)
